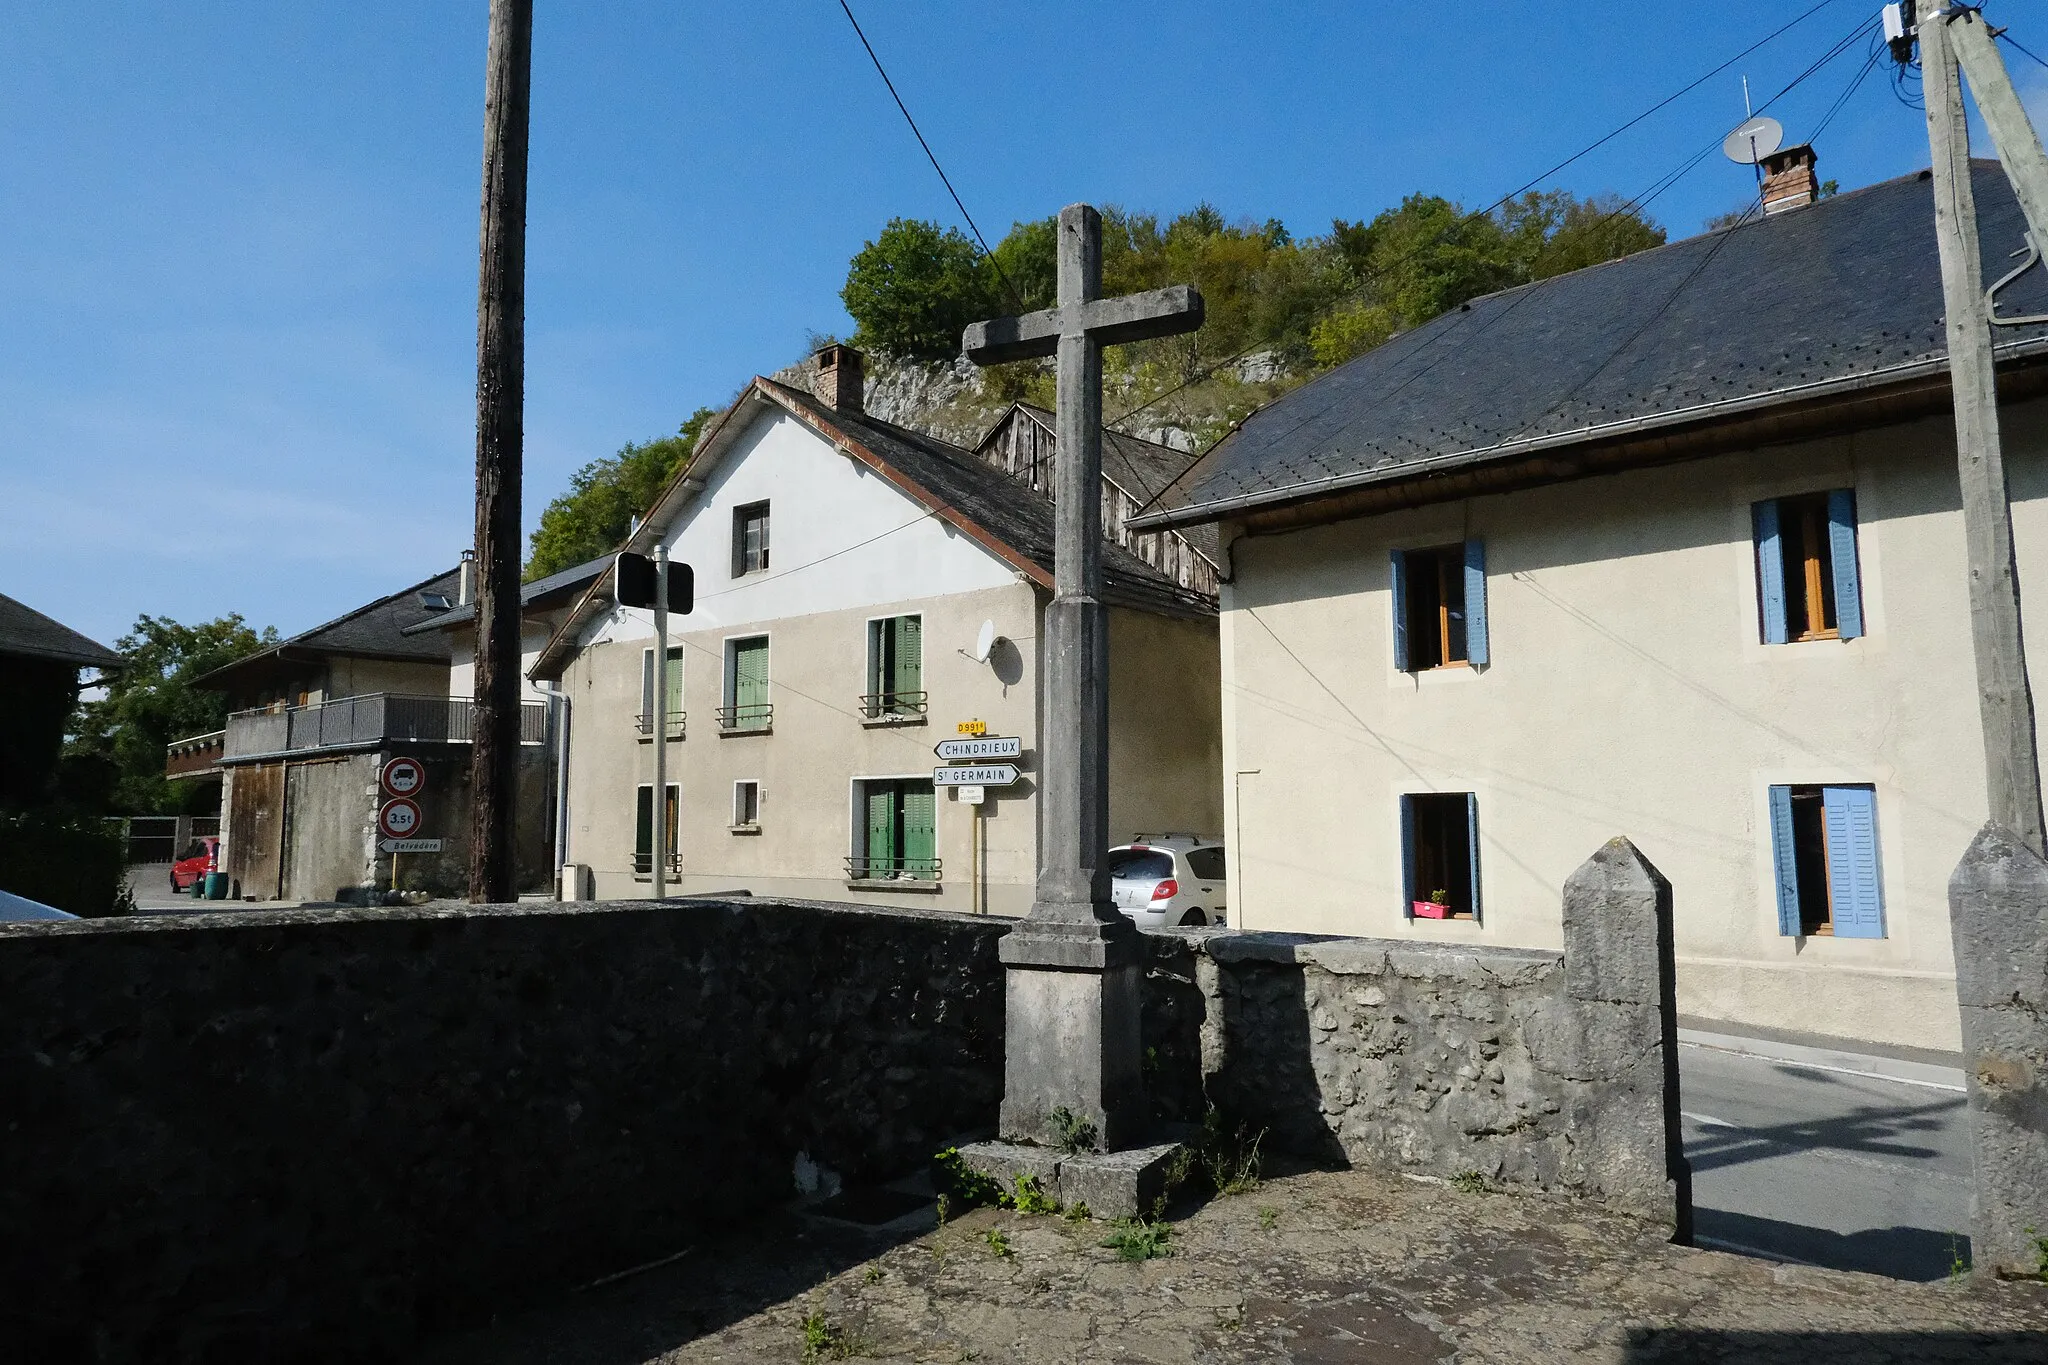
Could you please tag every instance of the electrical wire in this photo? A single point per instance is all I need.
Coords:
(930, 156)
(2014, 43)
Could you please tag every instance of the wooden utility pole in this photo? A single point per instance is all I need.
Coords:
(2004, 700)
(500, 430)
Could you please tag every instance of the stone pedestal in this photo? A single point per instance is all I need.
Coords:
(1123, 1184)
(1071, 997)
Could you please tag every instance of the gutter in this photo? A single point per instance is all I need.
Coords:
(1196, 514)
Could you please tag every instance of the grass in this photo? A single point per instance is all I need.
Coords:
(1077, 1213)
(1139, 1239)
(824, 1340)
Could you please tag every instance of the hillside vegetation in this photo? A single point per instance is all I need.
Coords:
(1280, 309)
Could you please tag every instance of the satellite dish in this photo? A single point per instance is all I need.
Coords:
(984, 641)
(1754, 140)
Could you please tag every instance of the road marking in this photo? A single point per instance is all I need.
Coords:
(1833, 1070)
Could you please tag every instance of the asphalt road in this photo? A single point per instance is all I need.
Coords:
(1800, 1163)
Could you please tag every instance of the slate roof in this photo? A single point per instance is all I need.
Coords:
(1146, 469)
(27, 633)
(542, 593)
(1017, 515)
(378, 630)
(1838, 295)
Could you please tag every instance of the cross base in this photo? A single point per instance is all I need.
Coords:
(1071, 993)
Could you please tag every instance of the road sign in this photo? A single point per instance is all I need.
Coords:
(989, 746)
(986, 775)
(636, 581)
(403, 777)
(410, 845)
(972, 727)
(400, 818)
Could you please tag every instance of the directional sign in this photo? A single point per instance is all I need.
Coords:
(411, 845)
(403, 777)
(989, 746)
(987, 775)
(400, 818)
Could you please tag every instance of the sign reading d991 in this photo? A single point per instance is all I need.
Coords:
(399, 819)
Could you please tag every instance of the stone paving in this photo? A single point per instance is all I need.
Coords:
(1318, 1266)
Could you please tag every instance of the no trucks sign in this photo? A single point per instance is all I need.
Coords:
(403, 777)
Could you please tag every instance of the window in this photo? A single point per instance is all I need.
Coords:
(1806, 579)
(1440, 855)
(1139, 864)
(1206, 863)
(895, 668)
(898, 838)
(1824, 853)
(675, 692)
(746, 805)
(643, 831)
(749, 538)
(1440, 607)
(746, 686)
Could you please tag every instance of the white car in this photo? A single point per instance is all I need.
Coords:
(1169, 880)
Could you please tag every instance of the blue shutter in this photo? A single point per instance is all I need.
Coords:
(1407, 842)
(1842, 550)
(1475, 604)
(1401, 620)
(1785, 860)
(1770, 571)
(1472, 843)
(1855, 891)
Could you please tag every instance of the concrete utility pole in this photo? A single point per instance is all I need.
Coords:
(660, 803)
(500, 398)
(2005, 701)
(1072, 982)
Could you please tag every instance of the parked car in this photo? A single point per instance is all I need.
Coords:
(1169, 880)
(199, 858)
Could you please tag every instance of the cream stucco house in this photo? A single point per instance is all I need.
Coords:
(1669, 547)
(844, 570)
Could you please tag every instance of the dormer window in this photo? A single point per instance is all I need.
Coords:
(436, 601)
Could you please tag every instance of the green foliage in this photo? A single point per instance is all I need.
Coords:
(151, 701)
(1228, 1154)
(825, 1340)
(1470, 1182)
(998, 1242)
(1071, 1133)
(961, 1187)
(1139, 1239)
(1032, 1198)
(914, 289)
(1077, 1213)
(1269, 1217)
(1958, 1262)
(604, 496)
(75, 863)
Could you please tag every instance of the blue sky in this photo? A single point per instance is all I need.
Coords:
(238, 249)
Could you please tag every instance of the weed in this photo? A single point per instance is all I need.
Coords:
(1032, 1198)
(1228, 1156)
(1470, 1182)
(874, 1274)
(1071, 1132)
(1139, 1239)
(1269, 1217)
(945, 1209)
(2040, 1253)
(998, 1242)
(1958, 1264)
(961, 1187)
(1077, 1213)
(825, 1341)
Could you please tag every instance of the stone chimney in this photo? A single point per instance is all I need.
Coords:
(1788, 179)
(465, 583)
(840, 381)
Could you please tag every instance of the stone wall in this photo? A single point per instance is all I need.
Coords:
(306, 1135)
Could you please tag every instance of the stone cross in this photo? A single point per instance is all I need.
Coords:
(1071, 1026)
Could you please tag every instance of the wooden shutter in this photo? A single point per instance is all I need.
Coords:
(1407, 843)
(675, 682)
(1401, 639)
(880, 641)
(881, 799)
(1475, 609)
(1842, 551)
(643, 830)
(646, 685)
(1770, 573)
(749, 674)
(1784, 861)
(909, 655)
(1855, 891)
(671, 823)
(920, 828)
(1472, 846)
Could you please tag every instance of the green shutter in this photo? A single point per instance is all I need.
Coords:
(908, 673)
(675, 684)
(920, 829)
(881, 828)
(646, 688)
(880, 641)
(750, 683)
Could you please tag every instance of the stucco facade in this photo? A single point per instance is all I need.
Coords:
(1628, 692)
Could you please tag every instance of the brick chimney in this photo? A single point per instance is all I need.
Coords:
(1788, 179)
(840, 381)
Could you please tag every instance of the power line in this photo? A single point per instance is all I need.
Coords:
(990, 256)
(2014, 43)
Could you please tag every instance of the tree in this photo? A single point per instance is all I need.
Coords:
(595, 516)
(913, 290)
(152, 700)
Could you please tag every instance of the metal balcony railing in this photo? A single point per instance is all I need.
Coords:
(860, 869)
(892, 705)
(736, 720)
(366, 722)
(645, 722)
(643, 864)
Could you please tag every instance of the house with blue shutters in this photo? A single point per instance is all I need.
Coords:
(1670, 547)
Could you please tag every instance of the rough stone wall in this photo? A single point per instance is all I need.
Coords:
(310, 1135)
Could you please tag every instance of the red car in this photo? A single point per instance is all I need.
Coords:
(198, 859)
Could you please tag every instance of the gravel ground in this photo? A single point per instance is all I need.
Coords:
(1312, 1267)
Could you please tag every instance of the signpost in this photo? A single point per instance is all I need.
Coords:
(400, 818)
(969, 775)
(409, 846)
(992, 746)
(403, 777)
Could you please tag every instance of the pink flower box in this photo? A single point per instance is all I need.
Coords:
(1430, 910)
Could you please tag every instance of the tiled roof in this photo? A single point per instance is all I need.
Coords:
(1839, 294)
(378, 630)
(552, 591)
(1147, 470)
(27, 633)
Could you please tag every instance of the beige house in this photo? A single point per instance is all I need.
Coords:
(845, 570)
(1669, 548)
